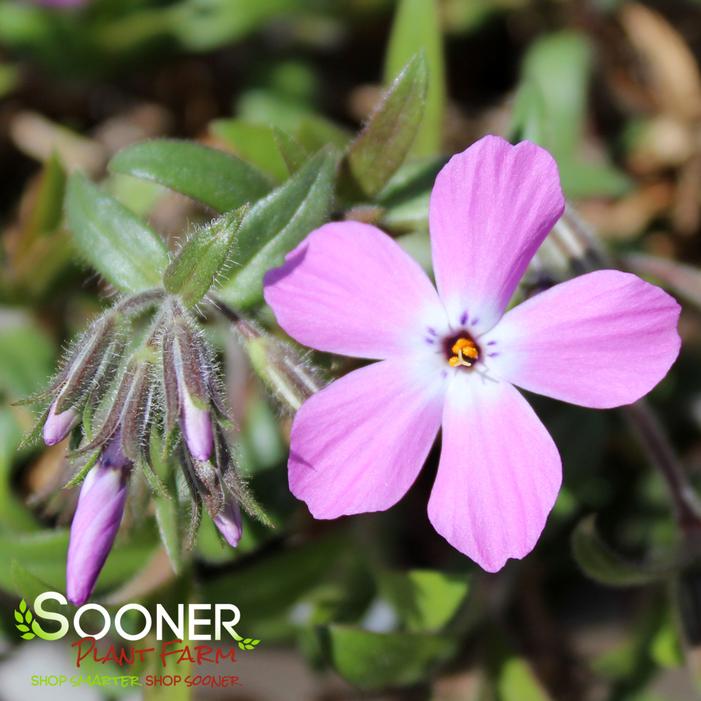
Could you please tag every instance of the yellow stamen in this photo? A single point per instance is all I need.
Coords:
(463, 349)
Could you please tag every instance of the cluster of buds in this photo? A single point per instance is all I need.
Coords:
(138, 402)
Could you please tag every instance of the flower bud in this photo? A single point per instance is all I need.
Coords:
(96, 521)
(282, 368)
(197, 427)
(91, 357)
(185, 385)
(228, 521)
(58, 425)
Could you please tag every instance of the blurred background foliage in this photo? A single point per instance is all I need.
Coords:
(379, 606)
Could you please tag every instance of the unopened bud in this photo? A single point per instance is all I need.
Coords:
(279, 365)
(96, 521)
(58, 425)
(197, 427)
(229, 523)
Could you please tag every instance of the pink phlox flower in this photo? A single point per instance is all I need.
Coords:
(453, 358)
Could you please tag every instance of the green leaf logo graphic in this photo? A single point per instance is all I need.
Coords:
(23, 618)
(28, 626)
(246, 643)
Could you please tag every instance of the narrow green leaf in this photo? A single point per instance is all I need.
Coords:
(377, 660)
(117, 244)
(386, 139)
(559, 66)
(425, 600)
(254, 143)
(516, 681)
(417, 27)
(48, 206)
(292, 152)
(203, 257)
(551, 107)
(155, 483)
(276, 224)
(213, 177)
(604, 565)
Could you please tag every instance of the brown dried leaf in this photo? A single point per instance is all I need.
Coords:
(668, 63)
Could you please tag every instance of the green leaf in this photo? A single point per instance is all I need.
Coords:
(309, 129)
(257, 583)
(424, 599)
(82, 472)
(254, 143)
(551, 107)
(511, 675)
(213, 177)
(559, 66)
(26, 357)
(383, 144)
(16, 421)
(48, 207)
(9, 78)
(117, 244)
(206, 24)
(155, 483)
(293, 153)
(666, 647)
(604, 565)
(517, 682)
(416, 27)
(203, 257)
(40, 561)
(276, 224)
(25, 582)
(379, 660)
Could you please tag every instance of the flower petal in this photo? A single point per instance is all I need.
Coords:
(350, 289)
(600, 340)
(359, 444)
(94, 528)
(499, 473)
(491, 207)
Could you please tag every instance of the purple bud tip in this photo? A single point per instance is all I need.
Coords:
(197, 427)
(58, 426)
(228, 521)
(96, 521)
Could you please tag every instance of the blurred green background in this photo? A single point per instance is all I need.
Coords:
(608, 606)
